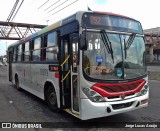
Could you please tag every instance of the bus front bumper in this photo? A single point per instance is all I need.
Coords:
(89, 109)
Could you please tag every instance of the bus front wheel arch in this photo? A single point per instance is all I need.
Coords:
(51, 97)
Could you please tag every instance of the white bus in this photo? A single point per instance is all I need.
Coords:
(91, 64)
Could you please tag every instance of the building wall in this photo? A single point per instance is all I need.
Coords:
(152, 40)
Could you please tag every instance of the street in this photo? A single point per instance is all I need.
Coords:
(21, 106)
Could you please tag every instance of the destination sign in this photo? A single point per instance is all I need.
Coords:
(111, 22)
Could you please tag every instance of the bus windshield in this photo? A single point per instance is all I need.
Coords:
(112, 56)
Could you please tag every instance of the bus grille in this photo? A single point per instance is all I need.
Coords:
(114, 97)
(121, 106)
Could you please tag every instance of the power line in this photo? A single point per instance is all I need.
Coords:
(61, 9)
(12, 15)
(57, 6)
(52, 5)
(17, 10)
(65, 7)
(43, 4)
(12, 11)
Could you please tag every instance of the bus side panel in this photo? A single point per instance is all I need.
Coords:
(26, 81)
(32, 78)
(13, 72)
(40, 75)
(37, 80)
(53, 77)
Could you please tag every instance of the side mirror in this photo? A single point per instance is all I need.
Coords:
(83, 42)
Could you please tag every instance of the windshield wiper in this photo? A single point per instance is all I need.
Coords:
(107, 43)
(130, 41)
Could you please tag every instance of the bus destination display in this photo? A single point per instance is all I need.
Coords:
(112, 22)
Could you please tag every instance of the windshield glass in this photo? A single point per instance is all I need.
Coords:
(111, 60)
(134, 61)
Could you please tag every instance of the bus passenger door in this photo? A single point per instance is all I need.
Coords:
(74, 72)
(64, 65)
(68, 72)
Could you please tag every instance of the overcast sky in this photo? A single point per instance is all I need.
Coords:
(36, 12)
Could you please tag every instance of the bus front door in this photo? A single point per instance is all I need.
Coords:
(74, 73)
(68, 71)
(65, 84)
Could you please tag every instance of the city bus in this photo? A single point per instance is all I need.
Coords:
(90, 64)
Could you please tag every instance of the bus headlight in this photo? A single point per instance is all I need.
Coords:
(144, 90)
(93, 95)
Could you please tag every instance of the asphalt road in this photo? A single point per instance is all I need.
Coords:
(21, 106)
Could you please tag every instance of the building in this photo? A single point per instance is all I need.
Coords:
(152, 39)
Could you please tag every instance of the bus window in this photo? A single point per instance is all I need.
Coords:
(51, 48)
(23, 49)
(15, 54)
(75, 56)
(26, 52)
(37, 49)
(31, 48)
(19, 52)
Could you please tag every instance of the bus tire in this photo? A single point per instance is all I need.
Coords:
(52, 99)
(17, 83)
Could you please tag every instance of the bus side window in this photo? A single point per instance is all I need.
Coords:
(23, 50)
(19, 52)
(37, 49)
(50, 51)
(31, 47)
(15, 54)
(44, 48)
(26, 52)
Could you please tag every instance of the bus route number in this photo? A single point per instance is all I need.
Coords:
(95, 20)
(53, 68)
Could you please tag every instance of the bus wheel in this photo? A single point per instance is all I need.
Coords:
(17, 83)
(52, 99)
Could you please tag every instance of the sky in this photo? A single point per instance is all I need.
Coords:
(39, 12)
